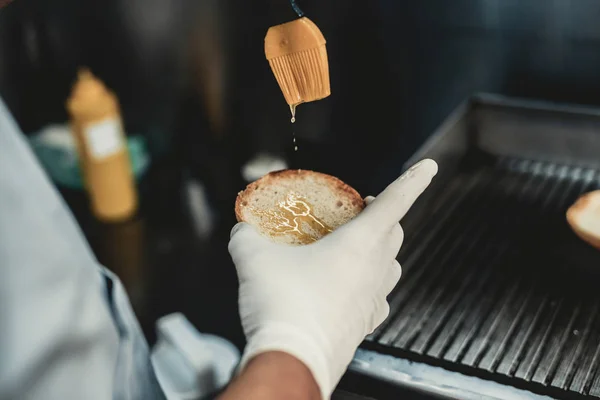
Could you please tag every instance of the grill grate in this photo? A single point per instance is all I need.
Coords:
(495, 283)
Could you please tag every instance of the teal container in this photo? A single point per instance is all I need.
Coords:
(55, 148)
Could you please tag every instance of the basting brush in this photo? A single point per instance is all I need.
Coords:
(298, 57)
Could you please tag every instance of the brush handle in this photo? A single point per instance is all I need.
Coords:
(297, 9)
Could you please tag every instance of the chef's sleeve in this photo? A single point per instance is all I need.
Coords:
(67, 330)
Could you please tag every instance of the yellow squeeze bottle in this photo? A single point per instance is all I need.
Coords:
(104, 160)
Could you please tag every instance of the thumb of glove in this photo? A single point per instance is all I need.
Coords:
(246, 243)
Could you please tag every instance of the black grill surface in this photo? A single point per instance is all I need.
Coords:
(496, 285)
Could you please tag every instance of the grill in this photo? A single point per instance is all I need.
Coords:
(495, 283)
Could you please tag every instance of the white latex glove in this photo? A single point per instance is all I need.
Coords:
(318, 302)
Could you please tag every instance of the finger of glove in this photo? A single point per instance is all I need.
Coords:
(394, 202)
(382, 312)
(382, 308)
(352, 231)
(391, 278)
(245, 241)
(395, 240)
(395, 237)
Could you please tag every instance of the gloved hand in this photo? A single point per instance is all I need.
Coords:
(318, 302)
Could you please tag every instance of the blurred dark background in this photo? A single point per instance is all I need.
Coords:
(192, 78)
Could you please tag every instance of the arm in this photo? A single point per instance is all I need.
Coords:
(273, 375)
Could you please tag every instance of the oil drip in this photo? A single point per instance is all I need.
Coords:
(293, 120)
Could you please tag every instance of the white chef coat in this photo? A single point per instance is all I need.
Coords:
(67, 330)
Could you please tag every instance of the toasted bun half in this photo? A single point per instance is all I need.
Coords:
(584, 218)
(297, 207)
